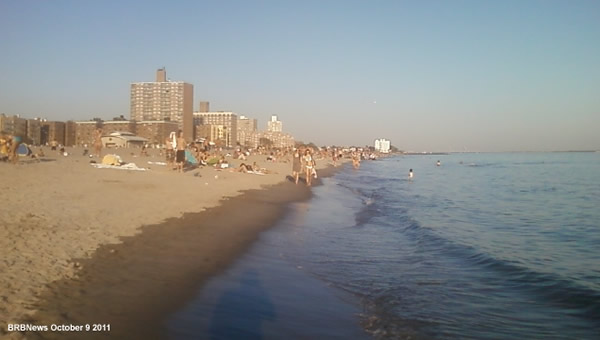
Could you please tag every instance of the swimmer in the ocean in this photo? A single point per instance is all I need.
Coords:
(438, 163)
(410, 174)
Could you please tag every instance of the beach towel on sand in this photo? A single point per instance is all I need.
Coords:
(128, 166)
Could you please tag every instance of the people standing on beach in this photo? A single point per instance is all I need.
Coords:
(334, 156)
(144, 151)
(308, 164)
(296, 164)
(410, 174)
(4, 146)
(98, 142)
(170, 153)
(180, 151)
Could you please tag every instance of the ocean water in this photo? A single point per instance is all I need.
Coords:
(485, 246)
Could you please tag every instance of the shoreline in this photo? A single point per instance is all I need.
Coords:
(158, 268)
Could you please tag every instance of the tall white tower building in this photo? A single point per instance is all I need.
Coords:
(382, 145)
(274, 125)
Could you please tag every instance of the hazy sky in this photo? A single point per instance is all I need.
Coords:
(428, 75)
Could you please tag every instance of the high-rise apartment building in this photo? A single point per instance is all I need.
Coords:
(274, 125)
(161, 75)
(164, 100)
(227, 119)
(245, 128)
(204, 107)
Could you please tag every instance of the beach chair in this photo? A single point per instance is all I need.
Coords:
(189, 158)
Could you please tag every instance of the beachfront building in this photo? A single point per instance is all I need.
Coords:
(53, 132)
(123, 140)
(279, 140)
(109, 127)
(164, 100)
(156, 132)
(274, 124)
(13, 125)
(245, 127)
(218, 134)
(70, 133)
(382, 145)
(84, 132)
(228, 121)
(34, 131)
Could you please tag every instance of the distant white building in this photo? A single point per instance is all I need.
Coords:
(274, 125)
(382, 145)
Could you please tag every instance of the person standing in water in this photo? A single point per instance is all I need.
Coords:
(308, 163)
(297, 164)
(410, 174)
(438, 163)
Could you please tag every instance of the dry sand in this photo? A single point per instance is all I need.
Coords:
(58, 212)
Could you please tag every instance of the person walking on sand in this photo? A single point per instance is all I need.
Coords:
(296, 164)
(180, 151)
(14, 145)
(98, 142)
(308, 163)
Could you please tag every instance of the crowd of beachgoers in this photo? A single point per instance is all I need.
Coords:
(88, 208)
(182, 156)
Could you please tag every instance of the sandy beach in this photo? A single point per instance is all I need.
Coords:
(81, 242)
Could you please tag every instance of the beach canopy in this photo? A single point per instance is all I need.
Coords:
(24, 150)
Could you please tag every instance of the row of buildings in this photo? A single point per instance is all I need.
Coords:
(79, 133)
(157, 109)
(173, 101)
(225, 129)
